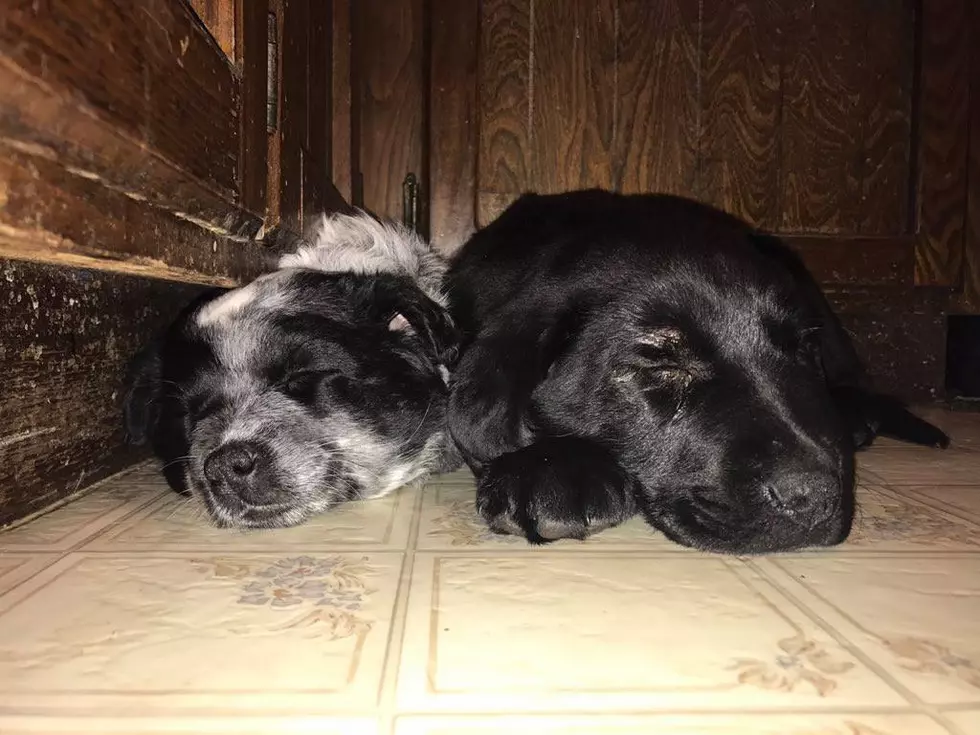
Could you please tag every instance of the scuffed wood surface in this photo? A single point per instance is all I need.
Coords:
(52, 215)
(65, 338)
(136, 97)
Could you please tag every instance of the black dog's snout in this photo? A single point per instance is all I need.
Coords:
(237, 468)
(807, 497)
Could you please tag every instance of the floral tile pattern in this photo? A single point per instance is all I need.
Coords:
(125, 612)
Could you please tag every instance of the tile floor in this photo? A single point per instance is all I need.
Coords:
(124, 612)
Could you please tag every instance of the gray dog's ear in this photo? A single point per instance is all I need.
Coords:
(140, 403)
(400, 305)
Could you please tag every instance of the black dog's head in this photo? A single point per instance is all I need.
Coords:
(280, 399)
(711, 389)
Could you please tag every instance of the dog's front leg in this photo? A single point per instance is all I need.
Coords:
(561, 487)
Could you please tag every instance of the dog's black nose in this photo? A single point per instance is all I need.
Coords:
(807, 497)
(235, 469)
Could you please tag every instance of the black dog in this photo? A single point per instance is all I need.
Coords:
(650, 354)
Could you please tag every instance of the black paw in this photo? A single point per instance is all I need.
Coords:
(554, 489)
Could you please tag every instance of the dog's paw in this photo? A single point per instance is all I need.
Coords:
(554, 489)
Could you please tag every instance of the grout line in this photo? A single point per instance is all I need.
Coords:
(390, 667)
(846, 643)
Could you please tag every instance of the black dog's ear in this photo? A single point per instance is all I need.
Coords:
(140, 404)
(402, 306)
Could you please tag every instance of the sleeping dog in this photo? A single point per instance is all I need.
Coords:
(322, 381)
(648, 354)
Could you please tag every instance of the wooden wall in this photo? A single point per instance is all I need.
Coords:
(136, 166)
(843, 126)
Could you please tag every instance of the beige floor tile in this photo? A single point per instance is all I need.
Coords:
(962, 499)
(18, 567)
(209, 634)
(285, 725)
(916, 618)
(69, 525)
(613, 631)
(177, 523)
(923, 466)
(968, 722)
(887, 520)
(727, 724)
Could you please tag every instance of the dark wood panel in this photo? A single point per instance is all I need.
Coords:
(253, 30)
(344, 120)
(942, 137)
(741, 96)
(53, 215)
(575, 95)
(969, 301)
(505, 102)
(66, 337)
(218, 17)
(821, 127)
(880, 261)
(885, 108)
(657, 118)
(294, 112)
(156, 117)
(453, 127)
(392, 105)
(900, 335)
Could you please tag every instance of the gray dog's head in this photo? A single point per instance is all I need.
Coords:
(304, 388)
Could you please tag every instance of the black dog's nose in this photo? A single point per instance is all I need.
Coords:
(235, 469)
(808, 497)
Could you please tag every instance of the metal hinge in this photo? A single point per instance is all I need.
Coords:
(410, 202)
(272, 76)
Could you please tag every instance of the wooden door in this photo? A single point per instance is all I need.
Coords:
(841, 125)
(135, 152)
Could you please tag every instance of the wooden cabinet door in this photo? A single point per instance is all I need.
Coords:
(840, 125)
(810, 120)
(135, 144)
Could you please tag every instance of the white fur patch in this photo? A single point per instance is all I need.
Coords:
(358, 243)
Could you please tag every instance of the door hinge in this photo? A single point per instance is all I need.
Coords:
(272, 76)
(410, 202)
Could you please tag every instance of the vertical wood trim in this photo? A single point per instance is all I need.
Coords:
(389, 48)
(342, 111)
(970, 300)
(453, 126)
(942, 119)
(252, 17)
(504, 78)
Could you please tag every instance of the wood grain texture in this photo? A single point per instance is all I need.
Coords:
(52, 215)
(253, 31)
(64, 342)
(392, 103)
(658, 122)
(453, 127)
(821, 126)
(135, 119)
(343, 111)
(294, 109)
(505, 103)
(969, 300)
(219, 17)
(943, 130)
(885, 108)
(575, 95)
(741, 97)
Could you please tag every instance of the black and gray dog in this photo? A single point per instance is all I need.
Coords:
(648, 354)
(323, 381)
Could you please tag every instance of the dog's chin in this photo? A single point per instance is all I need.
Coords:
(233, 513)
